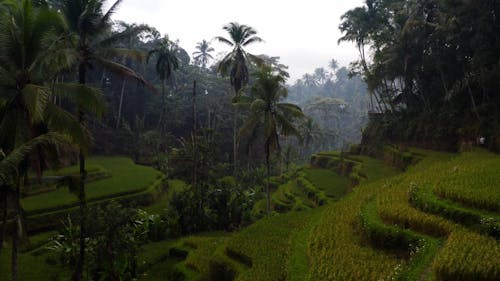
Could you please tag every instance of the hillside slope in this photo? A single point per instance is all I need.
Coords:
(437, 221)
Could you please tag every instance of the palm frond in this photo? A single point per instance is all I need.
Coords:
(35, 99)
(124, 71)
(287, 127)
(252, 40)
(87, 98)
(107, 16)
(64, 122)
(291, 109)
(9, 166)
(249, 125)
(225, 64)
(224, 40)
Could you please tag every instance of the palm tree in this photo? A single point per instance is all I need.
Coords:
(333, 64)
(166, 62)
(268, 115)
(235, 64)
(31, 52)
(202, 55)
(89, 27)
(311, 131)
(321, 75)
(11, 170)
(130, 54)
(309, 80)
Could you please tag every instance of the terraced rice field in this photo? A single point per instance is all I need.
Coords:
(437, 221)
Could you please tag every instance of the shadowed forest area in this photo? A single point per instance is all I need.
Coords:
(125, 157)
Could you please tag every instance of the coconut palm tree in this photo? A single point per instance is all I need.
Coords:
(309, 80)
(235, 64)
(311, 131)
(88, 28)
(11, 171)
(202, 55)
(321, 75)
(166, 63)
(33, 51)
(333, 64)
(268, 115)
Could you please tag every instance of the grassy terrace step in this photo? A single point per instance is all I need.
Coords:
(33, 266)
(468, 256)
(340, 251)
(485, 222)
(51, 220)
(357, 168)
(298, 263)
(338, 248)
(473, 182)
(332, 184)
(268, 244)
(126, 178)
(315, 194)
(49, 179)
(421, 249)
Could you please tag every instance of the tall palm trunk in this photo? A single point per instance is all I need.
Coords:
(235, 140)
(163, 109)
(268, 167)
(4, 219)
(195, 152)
(17, 231)
(77, 275)
(120, 105)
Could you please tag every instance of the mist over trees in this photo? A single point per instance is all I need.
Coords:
(337, 103)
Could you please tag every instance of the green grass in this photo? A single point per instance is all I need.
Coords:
(126, 178)
(298, 263)
(374, 169)
(155, 252)
(447, 249)
(33, 266)
(199, 249)
(473, 182)
(269, 243)
(331, 183)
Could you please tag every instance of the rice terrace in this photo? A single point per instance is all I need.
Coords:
(257, 141)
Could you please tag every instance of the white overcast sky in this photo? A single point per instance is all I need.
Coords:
(303, 33)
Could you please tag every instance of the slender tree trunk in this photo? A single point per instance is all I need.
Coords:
(235, 141)
(208, 117)
(77, 275)
(163, 110)
(120, 105)
(194, 134)
(193, 103)
(473, 101)
(4, 219)
(17, 231)
(103, 75)
(268, 168)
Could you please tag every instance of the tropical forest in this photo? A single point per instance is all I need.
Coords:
(249, 140)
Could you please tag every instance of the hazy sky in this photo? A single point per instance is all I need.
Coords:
(303, 33)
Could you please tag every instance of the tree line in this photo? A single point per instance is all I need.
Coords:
(431, 66)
